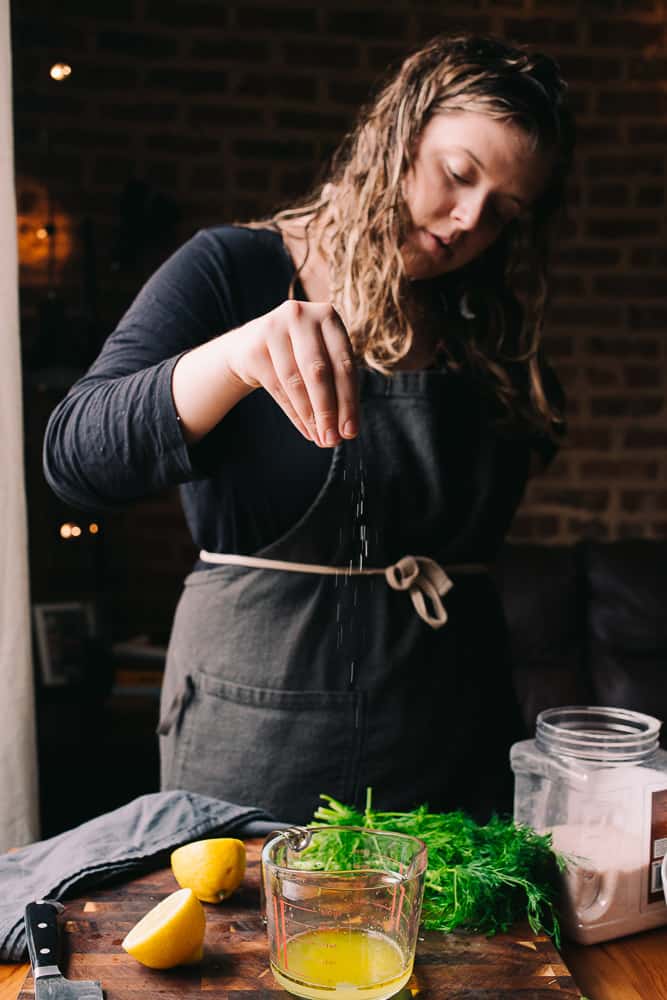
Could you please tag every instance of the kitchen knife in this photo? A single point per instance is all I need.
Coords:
(41, 927)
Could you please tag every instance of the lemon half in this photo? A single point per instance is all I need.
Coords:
(213, 869)
(172, 933)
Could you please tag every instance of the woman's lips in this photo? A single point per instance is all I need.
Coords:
(437, 246)
(427, 255)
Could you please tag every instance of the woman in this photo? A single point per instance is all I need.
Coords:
(345, 387)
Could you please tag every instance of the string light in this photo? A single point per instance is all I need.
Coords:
(71, 530)
(60, 71)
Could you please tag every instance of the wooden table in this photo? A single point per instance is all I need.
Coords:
(632, 968)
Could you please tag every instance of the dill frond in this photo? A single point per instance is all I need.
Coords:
(482, 878)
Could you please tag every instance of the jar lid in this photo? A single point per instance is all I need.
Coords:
(597, 733)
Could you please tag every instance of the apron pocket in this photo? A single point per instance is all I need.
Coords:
(267, 747)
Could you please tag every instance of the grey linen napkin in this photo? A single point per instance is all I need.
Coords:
(135, 837)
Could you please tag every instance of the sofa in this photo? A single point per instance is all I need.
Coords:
(588, 625)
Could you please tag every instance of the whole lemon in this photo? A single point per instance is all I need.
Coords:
(213, 869)
(172, 933)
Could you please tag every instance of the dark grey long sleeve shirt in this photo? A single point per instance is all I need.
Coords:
(116, 436)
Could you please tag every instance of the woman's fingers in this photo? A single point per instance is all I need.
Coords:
(315, 369)
(287, 386)
(344, 375)
(272, 369)
(301, 354)
(312, 380)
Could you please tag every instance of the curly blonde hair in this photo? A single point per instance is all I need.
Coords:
(357, 212)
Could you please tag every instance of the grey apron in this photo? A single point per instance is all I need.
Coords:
(281, 686)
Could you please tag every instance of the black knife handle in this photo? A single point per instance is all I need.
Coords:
(41, 928)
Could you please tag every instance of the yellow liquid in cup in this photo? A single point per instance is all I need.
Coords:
(352, 964)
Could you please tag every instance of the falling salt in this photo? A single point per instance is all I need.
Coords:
(350, 632)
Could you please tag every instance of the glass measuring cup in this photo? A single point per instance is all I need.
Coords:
(342, 909)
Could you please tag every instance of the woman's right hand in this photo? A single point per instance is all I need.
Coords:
(301, 354)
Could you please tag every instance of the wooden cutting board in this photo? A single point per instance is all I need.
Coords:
(235, 963)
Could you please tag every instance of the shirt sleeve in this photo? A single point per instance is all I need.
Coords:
(116, 435)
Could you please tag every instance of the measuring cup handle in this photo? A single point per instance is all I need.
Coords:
(262, 890)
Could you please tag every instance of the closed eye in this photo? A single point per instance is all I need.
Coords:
(458, 178)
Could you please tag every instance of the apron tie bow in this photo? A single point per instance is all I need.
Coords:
(424, 579)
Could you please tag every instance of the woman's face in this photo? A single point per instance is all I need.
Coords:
(470, 177)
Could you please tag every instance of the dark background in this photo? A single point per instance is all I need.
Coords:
(179, 115)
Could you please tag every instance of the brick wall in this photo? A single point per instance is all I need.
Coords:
(226, 110)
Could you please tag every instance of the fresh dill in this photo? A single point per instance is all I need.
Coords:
(482, 878)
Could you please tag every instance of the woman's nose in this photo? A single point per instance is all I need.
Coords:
(468, 211)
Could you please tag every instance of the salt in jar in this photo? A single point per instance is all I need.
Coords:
(596, 779)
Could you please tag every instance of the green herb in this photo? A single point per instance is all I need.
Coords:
(483, 878)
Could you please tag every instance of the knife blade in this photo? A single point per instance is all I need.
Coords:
(41, 927)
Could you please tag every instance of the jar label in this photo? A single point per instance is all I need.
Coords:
(658, 844)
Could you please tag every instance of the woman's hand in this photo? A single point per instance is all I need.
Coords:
(301, 354)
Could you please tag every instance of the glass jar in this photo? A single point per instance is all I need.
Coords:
(596, 779)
